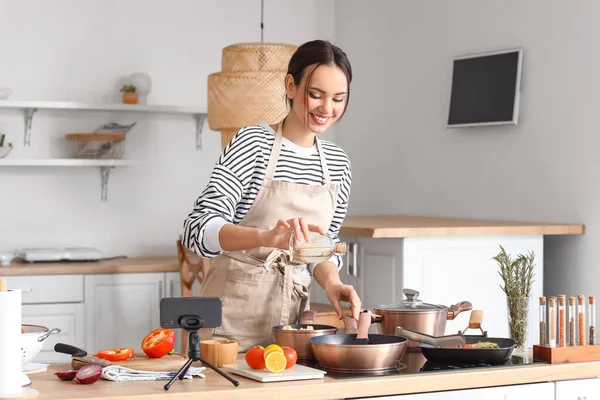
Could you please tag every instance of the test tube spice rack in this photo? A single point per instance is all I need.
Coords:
(564, 335)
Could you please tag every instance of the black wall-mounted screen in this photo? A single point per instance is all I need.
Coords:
(485, 89)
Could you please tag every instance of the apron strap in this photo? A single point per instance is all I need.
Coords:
(274, 153)
(323, 163)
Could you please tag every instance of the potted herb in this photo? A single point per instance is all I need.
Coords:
(517, 276)
(129, 94)
(4, 150)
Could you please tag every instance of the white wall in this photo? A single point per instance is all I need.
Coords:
(74, 50)
(545, 168)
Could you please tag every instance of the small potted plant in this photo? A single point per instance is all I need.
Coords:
(129, 94)
(4, 150)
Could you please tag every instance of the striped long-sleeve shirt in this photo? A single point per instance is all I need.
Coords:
(237, 178)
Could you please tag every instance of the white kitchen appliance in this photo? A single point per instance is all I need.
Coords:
(60, 254)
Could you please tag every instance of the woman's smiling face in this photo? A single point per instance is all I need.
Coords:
(324, 100)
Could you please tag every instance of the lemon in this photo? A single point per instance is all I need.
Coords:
(275, 362)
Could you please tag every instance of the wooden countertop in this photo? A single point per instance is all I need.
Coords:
(217, 388)
(118, 265)
(401, 226)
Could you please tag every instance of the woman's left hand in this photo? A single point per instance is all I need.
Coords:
(337, 292)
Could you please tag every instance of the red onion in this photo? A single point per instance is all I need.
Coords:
(88, 374)
(66, 375)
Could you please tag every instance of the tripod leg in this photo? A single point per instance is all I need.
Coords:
(180, 374)
(218, 371)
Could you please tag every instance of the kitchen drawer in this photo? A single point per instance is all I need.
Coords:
(48, 288)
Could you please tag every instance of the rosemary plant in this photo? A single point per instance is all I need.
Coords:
(517, 276)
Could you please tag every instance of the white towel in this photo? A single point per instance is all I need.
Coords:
(121, 374)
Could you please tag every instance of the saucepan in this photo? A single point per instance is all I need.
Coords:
(297, 336)
(356, 350)
(458, 349)
(414, 314)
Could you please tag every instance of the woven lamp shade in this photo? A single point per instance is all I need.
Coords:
(250, 88)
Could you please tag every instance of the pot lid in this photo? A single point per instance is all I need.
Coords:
(411, 303)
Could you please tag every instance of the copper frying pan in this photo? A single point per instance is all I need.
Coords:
(356, 350)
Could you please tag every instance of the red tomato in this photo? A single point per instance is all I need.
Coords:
(118, 354)
(290, 355)
(158, 343)
(255, 357)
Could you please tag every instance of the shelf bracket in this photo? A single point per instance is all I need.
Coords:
(200, 118)
(28, 121)
(104, 174)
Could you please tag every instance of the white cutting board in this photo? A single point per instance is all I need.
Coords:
(297, 372)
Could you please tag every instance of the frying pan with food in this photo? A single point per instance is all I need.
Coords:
(475, 350)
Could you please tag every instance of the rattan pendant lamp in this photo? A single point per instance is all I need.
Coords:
(250, 88)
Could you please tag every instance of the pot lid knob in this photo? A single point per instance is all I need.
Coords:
(411, 295)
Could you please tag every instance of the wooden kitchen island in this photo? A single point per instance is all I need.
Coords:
(537, 381)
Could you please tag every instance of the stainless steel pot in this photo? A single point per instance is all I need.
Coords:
(416, 315)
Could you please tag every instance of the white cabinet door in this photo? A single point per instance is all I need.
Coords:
(121, 309)
(446, 270)
(379, 269)
(578, 389)
(536, 391)
(69, 318)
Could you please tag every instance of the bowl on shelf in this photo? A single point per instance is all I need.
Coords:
(5, 92)
(5, 150)
(106, 146)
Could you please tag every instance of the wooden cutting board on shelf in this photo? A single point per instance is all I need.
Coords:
(141, 362)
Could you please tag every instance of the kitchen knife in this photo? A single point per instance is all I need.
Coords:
(80, 355)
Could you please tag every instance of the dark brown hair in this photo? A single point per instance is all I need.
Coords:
(319, 52)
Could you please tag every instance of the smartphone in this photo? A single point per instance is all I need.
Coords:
(207, 309)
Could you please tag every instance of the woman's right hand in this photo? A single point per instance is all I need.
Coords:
(279, 237)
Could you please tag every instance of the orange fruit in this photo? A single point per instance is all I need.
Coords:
(273, 348)
(275, 362)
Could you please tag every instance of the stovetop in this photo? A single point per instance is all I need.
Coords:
(415, 363)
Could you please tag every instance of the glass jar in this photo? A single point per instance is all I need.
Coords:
(317, 249)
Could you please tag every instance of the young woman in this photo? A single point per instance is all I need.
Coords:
(271, 181)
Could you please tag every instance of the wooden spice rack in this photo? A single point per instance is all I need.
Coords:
(567, 354)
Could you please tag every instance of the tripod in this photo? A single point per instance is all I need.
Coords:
(191, 323)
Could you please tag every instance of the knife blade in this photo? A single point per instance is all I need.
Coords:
(80, 355)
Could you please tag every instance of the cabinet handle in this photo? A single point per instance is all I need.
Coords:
(160, 291)
(354, 250)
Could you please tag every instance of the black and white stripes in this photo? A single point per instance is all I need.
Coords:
(238, 174)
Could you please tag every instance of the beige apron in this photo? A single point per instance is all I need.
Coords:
(260, 288)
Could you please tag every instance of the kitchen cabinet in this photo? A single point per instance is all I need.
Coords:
(578, 389)
(445, 270)
(535, 391)
(121, 309)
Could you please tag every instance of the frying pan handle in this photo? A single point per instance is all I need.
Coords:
(308, 317)
(376, 318)
(442, 341)
(457, 308)
(364, 322)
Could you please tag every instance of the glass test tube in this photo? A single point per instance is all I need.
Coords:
(562, 320)
(581, 319)
(552, 321)
(572, 322)
(592, 319)
(543, 330)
